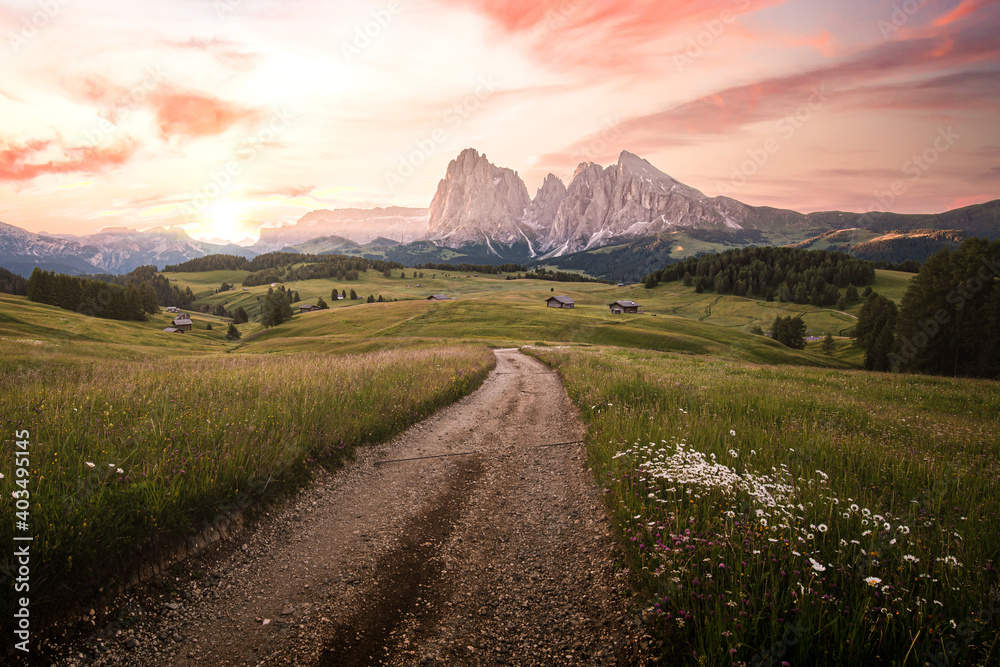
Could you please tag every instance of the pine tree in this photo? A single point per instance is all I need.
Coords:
(877, 356)
(828, 345)
(233, 333)
(789, 331)
(277, 309)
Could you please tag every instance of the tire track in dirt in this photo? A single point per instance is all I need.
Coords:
(407, 580)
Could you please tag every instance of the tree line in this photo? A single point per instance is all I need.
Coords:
(541, 273)
(948, 321)
(286, 265)
(11, 283)
(167, 294)
(473, 268)
(788, 274)
(92, 297)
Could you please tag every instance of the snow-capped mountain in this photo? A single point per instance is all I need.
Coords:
(112, 250)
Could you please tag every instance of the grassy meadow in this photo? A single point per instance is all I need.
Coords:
(782, 515)
(777, 505)
(123, 452)
(667, 299)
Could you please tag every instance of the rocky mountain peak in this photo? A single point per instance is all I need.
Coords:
(542, 211)
(478, 202)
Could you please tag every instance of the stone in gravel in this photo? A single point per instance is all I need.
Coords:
(173, 606)
(287, 611)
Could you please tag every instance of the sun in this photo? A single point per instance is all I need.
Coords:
(225, 219)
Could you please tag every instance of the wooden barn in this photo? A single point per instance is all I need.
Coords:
(561, 301)
(183, 322)
(624, 306)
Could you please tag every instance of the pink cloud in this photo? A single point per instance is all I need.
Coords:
(192, 114)
(609, 34)
(964, 9)
(21, 163)
(859, 82)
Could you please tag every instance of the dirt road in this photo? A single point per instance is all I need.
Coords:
(500, 555)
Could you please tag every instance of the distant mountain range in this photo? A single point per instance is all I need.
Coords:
(112, 250)
(614, 221)
(355, 224)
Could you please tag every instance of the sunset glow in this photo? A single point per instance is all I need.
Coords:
(224, 116)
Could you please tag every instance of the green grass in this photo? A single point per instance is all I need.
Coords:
(35, 336)
(124, 452)
(197, 423)
(892, 284)
(519, 318)
(726, 478)
(666, 299)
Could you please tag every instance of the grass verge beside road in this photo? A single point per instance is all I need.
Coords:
(123, 452)
(805, 515)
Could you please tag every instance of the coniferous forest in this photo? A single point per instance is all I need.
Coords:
(948, 322)
(786, 274)
(92, 297)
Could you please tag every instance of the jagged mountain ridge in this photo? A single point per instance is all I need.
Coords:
(478, 202)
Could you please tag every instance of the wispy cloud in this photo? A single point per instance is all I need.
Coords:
(27, 161)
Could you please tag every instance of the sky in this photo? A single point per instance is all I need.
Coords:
(220, 116)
